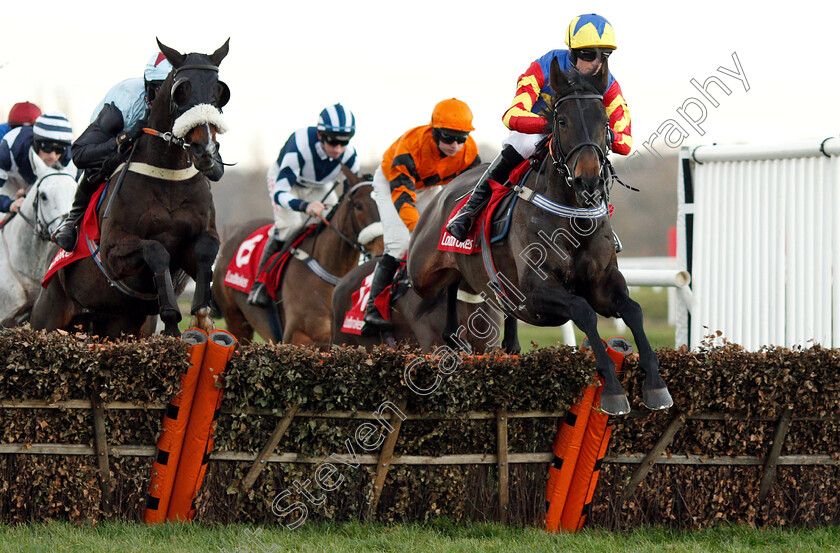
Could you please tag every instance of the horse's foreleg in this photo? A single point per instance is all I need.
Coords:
(205, 250)
(157, 258)
(553, 301)
(510, 341)
(613, 399)
(654, 392)
(612, 299)
(450, 329)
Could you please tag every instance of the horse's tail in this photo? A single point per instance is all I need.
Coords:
(427, 305)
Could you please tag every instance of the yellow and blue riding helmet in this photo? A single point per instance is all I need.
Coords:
(589, 32)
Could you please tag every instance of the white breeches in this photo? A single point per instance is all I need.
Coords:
(395, 234)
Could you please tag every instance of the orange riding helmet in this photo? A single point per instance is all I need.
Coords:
(452, 114)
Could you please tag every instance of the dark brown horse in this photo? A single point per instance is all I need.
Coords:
(161, 220)
(422, 322)
(558, 261)
(304, 305)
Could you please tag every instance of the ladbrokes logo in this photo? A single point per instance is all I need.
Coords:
(451, 242)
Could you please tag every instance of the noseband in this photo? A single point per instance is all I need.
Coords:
(560, 159)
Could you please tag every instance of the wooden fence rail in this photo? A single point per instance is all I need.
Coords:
(387, 456)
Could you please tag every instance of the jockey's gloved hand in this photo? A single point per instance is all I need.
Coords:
(128, 136)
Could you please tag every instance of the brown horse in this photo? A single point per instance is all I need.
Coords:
(423, 322)
(558, 261)
(161, 220)
(304, 307)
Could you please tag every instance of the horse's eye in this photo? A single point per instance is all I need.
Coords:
(181, 93)
(562, 122)
(43, 196)
(358, 206)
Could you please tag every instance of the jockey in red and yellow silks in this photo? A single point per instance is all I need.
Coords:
(410, 175)
(533, 92)
(591, 40)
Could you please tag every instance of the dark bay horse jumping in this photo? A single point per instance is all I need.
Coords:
(304, 305)
(422, 322)
(558, 261)
(160, 220)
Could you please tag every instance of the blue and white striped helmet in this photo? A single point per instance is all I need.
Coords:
(337, 120)
(54, 127)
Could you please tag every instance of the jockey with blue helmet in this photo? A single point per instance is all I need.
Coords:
(116, 123)
(591, 39)
(300, 180)
(49, 138)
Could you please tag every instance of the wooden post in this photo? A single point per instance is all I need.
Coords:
(261, 460)
(100, 442)
(650, 459)
(385, 460)
(502, 463)
(769, 474)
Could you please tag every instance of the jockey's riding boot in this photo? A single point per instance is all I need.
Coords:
(259, 294)
(383, 276)
(618, 246)
(459, 226)
(66, 235)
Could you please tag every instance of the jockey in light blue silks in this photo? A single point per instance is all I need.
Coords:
(49, 138)
(116, 123)
(300, 179)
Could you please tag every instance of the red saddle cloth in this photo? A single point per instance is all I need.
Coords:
(354, 319)
(472, 244)
(242, 270)
(88, 229)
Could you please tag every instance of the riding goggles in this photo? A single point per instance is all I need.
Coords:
(450, 137)
(51, 147)
(335, 140)
(591, 54)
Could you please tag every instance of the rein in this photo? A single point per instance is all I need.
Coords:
(560, 161)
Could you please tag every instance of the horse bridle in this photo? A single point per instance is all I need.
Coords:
(173, 107)
(349, 195)
(561, 163)
(42, 227)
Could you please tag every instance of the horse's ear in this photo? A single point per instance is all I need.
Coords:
(217, 56)
(603, 77)
(558, 80)
(174, 56)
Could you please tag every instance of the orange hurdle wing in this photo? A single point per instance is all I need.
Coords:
(197, 440)
(172, 436)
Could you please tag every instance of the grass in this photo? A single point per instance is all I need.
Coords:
(436, 536)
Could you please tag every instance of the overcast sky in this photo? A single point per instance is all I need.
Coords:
(391, 61)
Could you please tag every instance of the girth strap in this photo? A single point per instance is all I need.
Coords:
(314, 266)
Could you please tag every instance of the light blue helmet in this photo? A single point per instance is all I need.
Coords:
(157, 68)
(338, 121)
(53, 126)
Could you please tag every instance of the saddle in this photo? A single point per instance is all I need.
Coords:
(495, 217)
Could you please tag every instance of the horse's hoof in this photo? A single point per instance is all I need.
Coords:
(171, 331)
(657, 399)
(615, 404)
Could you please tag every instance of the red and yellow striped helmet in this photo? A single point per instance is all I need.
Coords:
(590, 31)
